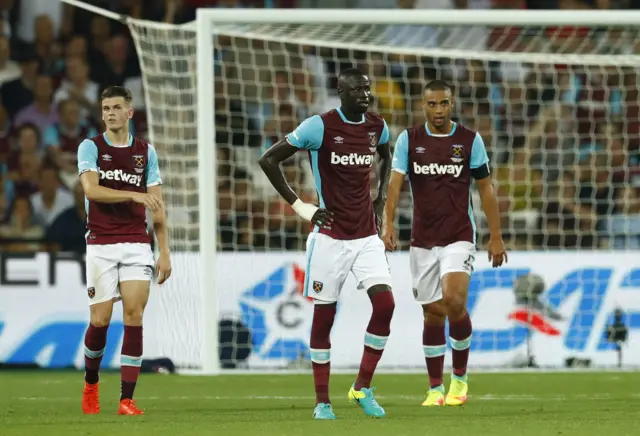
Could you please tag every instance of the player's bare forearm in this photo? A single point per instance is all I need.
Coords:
(384, 151)
(159, 218)
(393, 196)
(162, 234)
(490, 206)
(270, 164)
(94, 192)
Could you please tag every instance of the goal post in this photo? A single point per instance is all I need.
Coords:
(554, 95)
(207, 182)
(364, 31)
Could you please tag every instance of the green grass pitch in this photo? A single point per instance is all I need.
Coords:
(536, 404)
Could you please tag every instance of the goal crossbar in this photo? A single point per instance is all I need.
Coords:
(305, 27)
(441, 17)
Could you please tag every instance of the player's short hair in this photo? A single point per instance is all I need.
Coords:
(350, 72)
(438, 85)
(117, 91)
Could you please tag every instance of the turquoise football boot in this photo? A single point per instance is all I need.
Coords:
(365, 399)
(323, 411)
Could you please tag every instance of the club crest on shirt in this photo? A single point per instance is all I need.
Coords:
(456, 153)
(373, 141)
(138, 160)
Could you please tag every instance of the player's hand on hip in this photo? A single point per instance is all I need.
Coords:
(497, 252)
(310, 212)
(322, 218)
(163, 268)
(149, 201)
(389, 237)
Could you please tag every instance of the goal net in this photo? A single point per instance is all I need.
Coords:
(556, 105)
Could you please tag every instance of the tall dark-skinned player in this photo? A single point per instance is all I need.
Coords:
(342, 145)
(440, 158)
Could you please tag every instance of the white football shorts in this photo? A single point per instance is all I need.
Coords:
(329, 261)
(109, 265)
(428, 266)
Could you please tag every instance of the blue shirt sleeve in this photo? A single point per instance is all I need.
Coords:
(51, 137)
(87, 156)
(384, 137)
(308, 135)
(400, 162)
(153, 170)
(478, 153)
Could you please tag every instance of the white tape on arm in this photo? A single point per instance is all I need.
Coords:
(304, 210)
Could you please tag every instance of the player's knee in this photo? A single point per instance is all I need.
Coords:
(455, 303)
(383, 304)
(100, 314)
(434, 313)
(100, 320)
(133, 315)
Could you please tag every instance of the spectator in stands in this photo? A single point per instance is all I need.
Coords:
(99, 37)
(28, 144)
(4, 201)
(27, 180)
(307, 100)
(55, 11)
(76, 86)
(61, 140)
(236, 225)
(9, 70)
(41, 113)
(76, 47)
(67, 232)
(52, 198)
(116, 65)
(388, 93)
(596, 190)
(5, 137)
(20, 229)
(47, 48)
(623, 227)
(553, 142)
(519, 193)
(17, 94)
(563, 222)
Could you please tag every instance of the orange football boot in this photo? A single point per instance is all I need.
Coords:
(90, 399)
(128, 407)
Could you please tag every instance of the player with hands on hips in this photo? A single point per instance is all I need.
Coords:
(342, 144)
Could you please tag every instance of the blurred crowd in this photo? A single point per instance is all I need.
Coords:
(563, 139)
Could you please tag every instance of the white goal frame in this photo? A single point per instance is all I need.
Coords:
(205, 27)
(206, 20)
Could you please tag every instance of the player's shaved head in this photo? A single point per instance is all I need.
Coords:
(437, 85)
(350, 72)
(354, 89)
